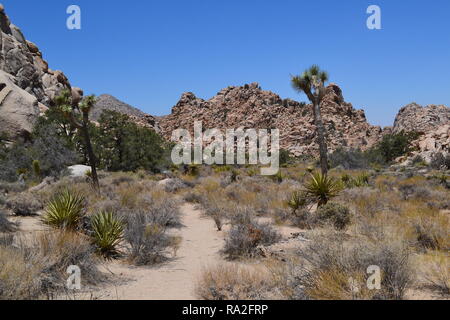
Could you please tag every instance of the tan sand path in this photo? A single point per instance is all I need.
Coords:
(174, 280)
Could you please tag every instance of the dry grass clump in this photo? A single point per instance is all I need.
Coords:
(24, 204)
(6, 226)
(146, 228)
(436, 272)
(335, 268)
(19, 277)
(56, 251)
(425, 227)
(336, 214)
(246, 234)
(148, 241)
(36, 268)
(234, 282)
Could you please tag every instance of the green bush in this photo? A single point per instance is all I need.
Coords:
(393, 146)
(351, 159)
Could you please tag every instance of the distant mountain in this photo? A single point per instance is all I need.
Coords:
(108, 102)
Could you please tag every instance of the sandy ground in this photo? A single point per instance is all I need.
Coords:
(174, 280)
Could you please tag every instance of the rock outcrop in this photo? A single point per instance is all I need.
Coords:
(18, 109)
(23, 60)
(251, 107)
(432, 123)
(415, 118)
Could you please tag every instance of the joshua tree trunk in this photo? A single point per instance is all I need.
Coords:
(90, 152)
(323, 149)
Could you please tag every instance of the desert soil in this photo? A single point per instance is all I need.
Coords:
(174, 280)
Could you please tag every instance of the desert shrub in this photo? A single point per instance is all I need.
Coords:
(6, 225)
(107, 233)
(334, 213)
(278, 177)
(65, 210)
(285, 157)
(244, 238)
(217, 213)
(322, 188)
(55, 252)
(174, 185)
(410, 191)
(349, 159)
(437, 272)
(233, 282)
(37, 268)
(192, 170)
(24, 204)
(147, 241)
(123, 178)
(18, 276)
(193, 197)
(331, 261)
(12, 187)
(431, 232)
(366, 201)
(164, 212)
(440, 161)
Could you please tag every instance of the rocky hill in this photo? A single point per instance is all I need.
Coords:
(108, 102)
(414, 117)
(432, 122)
(251, 107)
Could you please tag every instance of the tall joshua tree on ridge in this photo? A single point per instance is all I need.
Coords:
(312, 83)
(72, 105)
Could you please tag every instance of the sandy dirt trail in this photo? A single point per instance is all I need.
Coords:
(174, 280)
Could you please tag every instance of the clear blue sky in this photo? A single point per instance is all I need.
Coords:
(148, 52)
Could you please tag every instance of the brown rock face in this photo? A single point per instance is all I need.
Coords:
(251, 107)
(23, 60)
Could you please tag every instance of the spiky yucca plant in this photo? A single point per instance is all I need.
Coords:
(362, 180)
(108, 231)
(65, 210)
(297, 201)
(322, 188)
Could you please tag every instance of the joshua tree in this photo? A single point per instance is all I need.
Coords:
(77, 111)
(312, 83)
